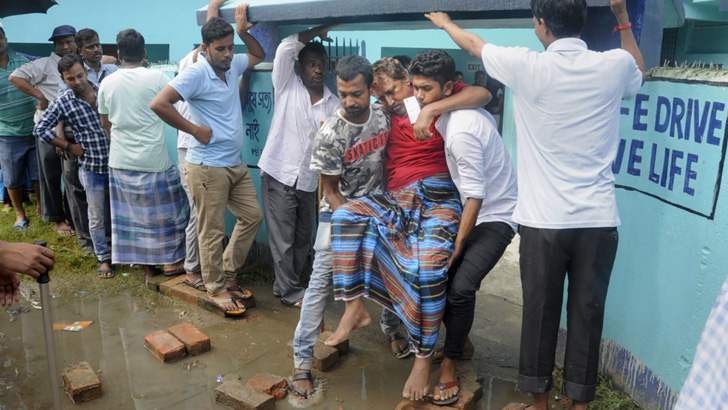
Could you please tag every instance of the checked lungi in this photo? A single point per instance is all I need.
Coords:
(394, 248)
(149, 214)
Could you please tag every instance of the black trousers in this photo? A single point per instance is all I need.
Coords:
(76, 199)
(547, 256)
(483, 248)
(50, 172)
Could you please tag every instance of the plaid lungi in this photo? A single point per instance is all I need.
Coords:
(149, 214)
(707, 383)
(394, 248)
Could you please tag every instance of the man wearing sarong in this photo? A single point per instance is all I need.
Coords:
(481, 169)
(566, 107)
(77, 108)
(149, 208)
(348, 151)
(217, 177)
(394, 247)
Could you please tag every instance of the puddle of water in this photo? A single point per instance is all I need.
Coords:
(367, 378)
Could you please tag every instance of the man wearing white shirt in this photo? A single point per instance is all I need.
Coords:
(481, 169)
(302, 103)
(566, 108)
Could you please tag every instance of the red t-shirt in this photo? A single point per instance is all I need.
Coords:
(409, 159)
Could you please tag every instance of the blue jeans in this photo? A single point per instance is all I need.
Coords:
(97, 196)
(320, 288)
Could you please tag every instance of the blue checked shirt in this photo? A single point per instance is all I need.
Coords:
(86, 124)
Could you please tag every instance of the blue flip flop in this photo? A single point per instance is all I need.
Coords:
(21, 226)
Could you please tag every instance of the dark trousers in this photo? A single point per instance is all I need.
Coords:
(483, 248)
(547, 256)
(289, 216)
(49, 176)
(76, 196)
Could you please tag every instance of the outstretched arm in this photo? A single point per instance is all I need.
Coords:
(469, 97)
(464, 39)
(213, 9)
(321, 31)
(163, 106)
(255, 50)
(619, 8)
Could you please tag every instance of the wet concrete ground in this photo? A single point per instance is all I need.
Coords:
(367, 378)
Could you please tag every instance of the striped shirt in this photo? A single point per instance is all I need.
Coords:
(16, 107)
(86, 125)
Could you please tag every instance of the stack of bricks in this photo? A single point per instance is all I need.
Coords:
(177, 288)
(259, 393)
(182, 340)
(324, 357)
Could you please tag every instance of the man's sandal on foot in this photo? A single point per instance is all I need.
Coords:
(445, 386)
(197, 284)
(302, 376)
(401, 352)
(247, 294)
(21, 226)
(105, 273)
(297, 304)
(231, 313)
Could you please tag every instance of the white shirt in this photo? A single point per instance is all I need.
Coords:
(287, 153)
(479, 163)
(183, 138)
(566, 105)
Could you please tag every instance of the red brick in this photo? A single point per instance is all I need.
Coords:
(186, 294)
(342, 347)
(324, 357)
(164, 346)
(166, 286)
(271, 384)
(153, 283)
(81, 382)
(466, 401)
(195, 342)
(420, 405)
(234, 394)
(473, 387)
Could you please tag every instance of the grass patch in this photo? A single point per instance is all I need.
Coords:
(608, 396)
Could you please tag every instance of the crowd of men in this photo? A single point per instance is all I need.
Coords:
(420, 199)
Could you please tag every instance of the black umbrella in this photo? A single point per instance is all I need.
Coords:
(15, 7)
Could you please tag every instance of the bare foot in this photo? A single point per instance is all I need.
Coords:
(419, 380)
(237, 291)
(174, 268)
(447, 374)
(224, 301)
(468, 352)
(149, 272)
(304, 385)
(355, 317)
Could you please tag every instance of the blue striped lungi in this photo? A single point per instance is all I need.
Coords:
(394, 248)
(149, 214)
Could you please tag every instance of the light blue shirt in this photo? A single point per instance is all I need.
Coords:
(214, 104)
(105, 71)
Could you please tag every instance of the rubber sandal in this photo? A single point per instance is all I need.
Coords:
(102, 272)
(403, 351)
(70, 231)
(439, 356)
(21, 226)
(247, 294)
(302, 376)
(445, 386)
(233, 313)
(297, 304)
(197, 284)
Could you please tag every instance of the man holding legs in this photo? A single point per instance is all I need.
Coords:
(567, 124)
(40, 80)
(302, 103)
(17, 145)
(77, 108)
(348, 151)
(481, 169)
(217, 177)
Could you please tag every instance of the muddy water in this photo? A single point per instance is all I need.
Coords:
(367, 378)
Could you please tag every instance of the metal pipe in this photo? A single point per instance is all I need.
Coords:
(50, 344)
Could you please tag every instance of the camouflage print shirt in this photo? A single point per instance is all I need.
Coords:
(355, 152)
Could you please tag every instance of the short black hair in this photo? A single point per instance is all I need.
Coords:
(312, 47)
(565, 18)
(433, 64)
(215, 29)
(68, 61)
(130, 44)
(349, 67)
(480, 72)
(404, 60)
(457, 73)
(84, 36)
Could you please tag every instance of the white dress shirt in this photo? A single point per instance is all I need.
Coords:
(479, 163)
(566, 104)
(183, 138)
(287, 153)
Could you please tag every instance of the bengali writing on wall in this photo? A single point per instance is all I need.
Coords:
(672, 144)
(257, 116)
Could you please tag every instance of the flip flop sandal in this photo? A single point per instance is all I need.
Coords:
(247, 294)
(102, 273)
(197, 284)
(439, 356)
(403, 351)
(445, 386)
(232, 313)
(297, 304)
(21, 226)
(60, 231)
(302, 376)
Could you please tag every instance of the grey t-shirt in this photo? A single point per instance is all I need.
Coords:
(355, 152)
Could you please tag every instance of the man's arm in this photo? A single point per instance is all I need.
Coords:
(619, 8)
(44, 130)
(24, 85)
(243, 87)
(163, 106)
(331, 190)
(464, 39)
(31, 260)
(321, 31)
(468, 97)
(213, 9)
(255, 50)
(106, 124)
(467, 223)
